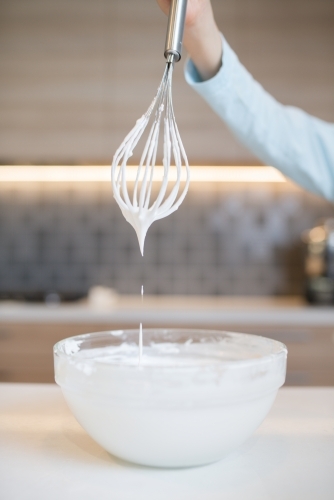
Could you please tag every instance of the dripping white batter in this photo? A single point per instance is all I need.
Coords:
(138, 208)
(140, 340)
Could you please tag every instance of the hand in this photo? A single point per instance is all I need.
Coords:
(195, 9)
(202, 38)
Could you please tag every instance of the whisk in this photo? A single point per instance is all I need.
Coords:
(138, 207)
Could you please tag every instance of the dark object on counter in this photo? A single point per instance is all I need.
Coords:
(319, 263)
(50, 297)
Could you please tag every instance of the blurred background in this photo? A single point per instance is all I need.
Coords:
(75, 75)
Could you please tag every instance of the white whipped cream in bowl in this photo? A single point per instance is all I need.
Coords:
(191, 398)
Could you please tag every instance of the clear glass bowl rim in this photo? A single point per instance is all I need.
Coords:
(281, 348)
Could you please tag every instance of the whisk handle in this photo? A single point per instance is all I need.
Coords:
(177, 15)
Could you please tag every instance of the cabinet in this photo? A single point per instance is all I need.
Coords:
(26, 349)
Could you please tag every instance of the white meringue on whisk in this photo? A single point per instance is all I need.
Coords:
(140, 204)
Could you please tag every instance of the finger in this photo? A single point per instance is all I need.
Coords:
(164, 5)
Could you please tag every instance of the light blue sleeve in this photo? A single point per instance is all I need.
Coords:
(299, 145)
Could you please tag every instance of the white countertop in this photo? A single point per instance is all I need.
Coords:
(46, 455)
(171, 310)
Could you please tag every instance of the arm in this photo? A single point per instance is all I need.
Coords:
(299, 145)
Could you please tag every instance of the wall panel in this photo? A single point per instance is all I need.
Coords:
(76, 74)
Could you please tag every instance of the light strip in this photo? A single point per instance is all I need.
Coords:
(92, 173)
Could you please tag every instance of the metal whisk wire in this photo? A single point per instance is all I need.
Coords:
(141, 212)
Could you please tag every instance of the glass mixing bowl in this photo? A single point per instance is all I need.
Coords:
(195, 396)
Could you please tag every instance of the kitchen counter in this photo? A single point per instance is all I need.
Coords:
(45, 454)
(180, 310)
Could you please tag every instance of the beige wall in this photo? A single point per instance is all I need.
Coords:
(76, 74)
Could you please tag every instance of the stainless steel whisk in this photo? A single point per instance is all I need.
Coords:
(138, 208)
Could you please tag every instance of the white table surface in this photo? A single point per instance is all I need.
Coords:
(46, 455)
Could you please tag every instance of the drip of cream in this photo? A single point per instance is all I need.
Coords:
(140, 344)
(139, 209)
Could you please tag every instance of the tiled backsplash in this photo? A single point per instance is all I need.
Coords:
(224, 239)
